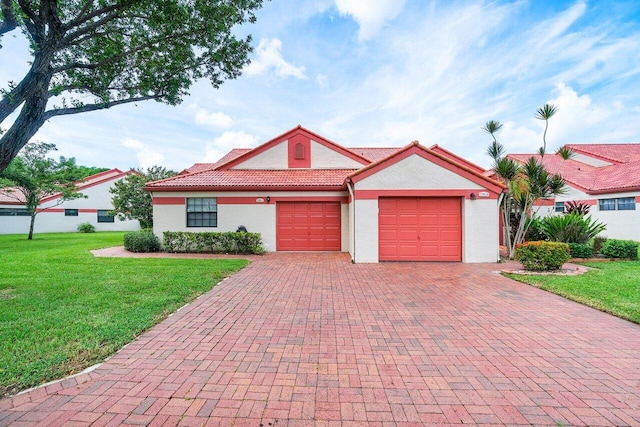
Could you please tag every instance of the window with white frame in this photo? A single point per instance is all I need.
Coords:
(560, 207)
(202, 212)
(617, 204)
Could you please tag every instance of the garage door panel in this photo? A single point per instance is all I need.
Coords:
(308, 226)
(420, 229)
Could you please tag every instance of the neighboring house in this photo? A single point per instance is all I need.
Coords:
(604, 176)
(303, 192)
(65, 217)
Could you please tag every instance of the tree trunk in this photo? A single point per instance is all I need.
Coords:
(33, 220)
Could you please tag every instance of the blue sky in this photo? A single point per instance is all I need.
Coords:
(386, 73)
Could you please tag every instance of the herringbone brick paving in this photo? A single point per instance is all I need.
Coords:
(311, 339)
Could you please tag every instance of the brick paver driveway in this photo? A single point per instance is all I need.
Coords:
(304, 339)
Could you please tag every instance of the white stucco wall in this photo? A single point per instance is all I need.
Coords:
(365, 242)
(480, 231)
(98, 197)
(621, 224)
(415, 173)
(479, 217)
(275, 157)
(326, 158)
(257, 217)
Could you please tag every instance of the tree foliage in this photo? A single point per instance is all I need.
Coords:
(130, 201)
(89, 55)
(32, 177)
(526, 182)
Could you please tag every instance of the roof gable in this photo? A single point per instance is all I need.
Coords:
(612, 153)
(448, 164)
(281, 157)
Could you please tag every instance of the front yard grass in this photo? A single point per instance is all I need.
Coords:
(62, 309)
(613, 287)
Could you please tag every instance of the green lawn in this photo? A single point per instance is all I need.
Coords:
(62, 310)
(613, 287)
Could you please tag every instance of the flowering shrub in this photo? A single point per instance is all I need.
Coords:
(542, 256)
(141, 241)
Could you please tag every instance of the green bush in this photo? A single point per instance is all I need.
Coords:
(213, 242)
(542, 256)
(86, 227)
(571, 228)
(613, 248)
(141, 241)
(578, 250)
(534, 230)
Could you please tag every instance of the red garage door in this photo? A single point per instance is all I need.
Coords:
(308, 226)
(420, 229)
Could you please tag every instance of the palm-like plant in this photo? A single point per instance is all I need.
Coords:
(525, 183)
(545, 113)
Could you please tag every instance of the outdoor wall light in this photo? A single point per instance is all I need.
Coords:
(472, 196)
(268, 199)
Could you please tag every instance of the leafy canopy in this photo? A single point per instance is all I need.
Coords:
(33, 177)
(95, 54)
(129, 199)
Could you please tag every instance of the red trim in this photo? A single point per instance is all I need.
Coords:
(438, 159)
(305, 160)
(61, 210)
(544, 203)
(297, 131)
(253, 200)
(375, 194)
(169, 200)
(637, 199)
(248, 188)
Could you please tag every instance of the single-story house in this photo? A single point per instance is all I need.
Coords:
(56, 216)
(303, 192)
(604, 176)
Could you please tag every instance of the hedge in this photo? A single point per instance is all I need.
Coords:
(542, 256)
(141, 241)
(613, 248)
(213, 242)
(578, 250)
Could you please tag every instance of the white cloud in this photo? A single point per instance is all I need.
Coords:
(269, 57)
(146, 156)
(227, 141)
(218, 119)
(370, 15)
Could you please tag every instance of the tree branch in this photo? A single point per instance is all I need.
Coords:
(93, 107)
(9, 22)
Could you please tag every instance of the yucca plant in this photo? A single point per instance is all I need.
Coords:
(571, 228)
(578, 207)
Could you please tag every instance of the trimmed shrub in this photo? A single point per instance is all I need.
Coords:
(613, 248)
(578, 250)
(141, 241)
(213, 242)
(86, 227)
(542, 256)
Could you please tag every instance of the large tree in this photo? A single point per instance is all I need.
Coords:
(94, 54)
(130, 201)
(33, 177)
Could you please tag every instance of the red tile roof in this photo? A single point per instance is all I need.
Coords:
(617, 153)
(247, 179)
(618, 177)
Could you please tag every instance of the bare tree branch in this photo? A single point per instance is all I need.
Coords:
(93, 107)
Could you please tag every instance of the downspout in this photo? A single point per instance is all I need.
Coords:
(353, 202)
(502, 194)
